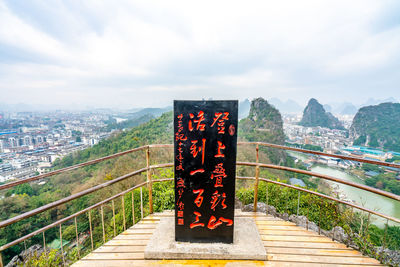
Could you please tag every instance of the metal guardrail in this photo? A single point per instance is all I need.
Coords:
(149, 183)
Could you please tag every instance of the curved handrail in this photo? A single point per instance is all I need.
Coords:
(77, 195)
(47, 227)
(323, 196)
(98, 187)
(327, 177)
(91, 162)
(387, 164)
(166, 165)
(76, 166)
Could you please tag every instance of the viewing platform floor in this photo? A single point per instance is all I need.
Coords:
(286, 244)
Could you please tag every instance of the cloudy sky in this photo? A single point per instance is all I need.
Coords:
(127, 54)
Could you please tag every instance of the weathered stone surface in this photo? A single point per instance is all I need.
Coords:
(247, 244)
(261, 207)
(33, 251)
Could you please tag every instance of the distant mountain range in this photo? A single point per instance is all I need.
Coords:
(289, 106)
(347, 108)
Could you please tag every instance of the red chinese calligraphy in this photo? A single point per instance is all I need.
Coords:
(180, 221)
(219, 153)
(217, 198)
(180, 193)
(218, 174)
(194, 150)
(180, 205)
(180, 182)
(199, 199)
(180, 185)
(197, 171)
(220, 118)
(197, 222)
(199, 125)
(214, 223)
(179, 136)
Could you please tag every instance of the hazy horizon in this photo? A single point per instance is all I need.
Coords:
(146, 54)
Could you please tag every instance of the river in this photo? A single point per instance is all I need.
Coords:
(363, 198)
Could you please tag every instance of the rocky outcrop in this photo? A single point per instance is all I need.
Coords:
(264, 124)
(315, 115)
(377, 126)
(33, 251)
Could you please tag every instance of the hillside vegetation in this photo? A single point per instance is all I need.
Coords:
(264, 124)
(159, 130)
(377, 126)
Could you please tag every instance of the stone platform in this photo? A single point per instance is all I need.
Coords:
(286, 244)
(247, 244)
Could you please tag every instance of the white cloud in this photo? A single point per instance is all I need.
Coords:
(175, 49)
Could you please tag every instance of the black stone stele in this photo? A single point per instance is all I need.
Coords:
(205, 141)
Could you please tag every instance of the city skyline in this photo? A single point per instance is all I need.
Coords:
(148, 53)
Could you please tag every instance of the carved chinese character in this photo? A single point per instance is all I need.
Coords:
(199, 198)
(220, 118)
(219, 153)
(217, 198)
(218, 174)
(197, 222)
(199, 125)
(194, 149)
(214, 223)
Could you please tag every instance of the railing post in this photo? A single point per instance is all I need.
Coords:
(384, 237)
(102, 223)
(90, 229)
(123, 211)
(44, 244)
(141, 202)
(133, 209)
(149, 181)
(286, 203)
(77, 238)
(298, 203)
(308, 214)
(319, 219)
(62, 248)
(113, 210)
(1, 259)
(256, 182)
(267, 196)
(368, 220)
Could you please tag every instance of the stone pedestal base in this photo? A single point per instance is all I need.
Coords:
(247, 244)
